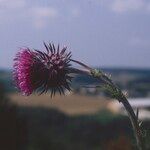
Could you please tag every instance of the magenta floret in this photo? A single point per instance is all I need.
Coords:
(39, 71)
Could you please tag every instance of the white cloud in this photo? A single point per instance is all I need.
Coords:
(38, 16)
(44, 12)
(124, 6)
(12, 4)
(10, 10)
(121, 6)
(42, 15)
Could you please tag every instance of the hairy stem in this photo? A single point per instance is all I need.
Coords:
(118, 95)
(133, 118)
(121, 98)
(134, 121)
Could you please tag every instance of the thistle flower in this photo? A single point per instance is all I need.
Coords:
(42, 71)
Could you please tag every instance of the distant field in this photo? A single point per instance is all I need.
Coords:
(70, 104)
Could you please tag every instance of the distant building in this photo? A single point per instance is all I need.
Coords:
(143, 104)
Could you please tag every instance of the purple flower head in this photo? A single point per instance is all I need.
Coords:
(42, 71)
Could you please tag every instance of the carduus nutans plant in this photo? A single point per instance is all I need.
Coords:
(42, 71)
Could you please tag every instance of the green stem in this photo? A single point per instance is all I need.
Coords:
(121, 98)
(118, 95)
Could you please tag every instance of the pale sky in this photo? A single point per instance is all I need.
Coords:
(106, 33)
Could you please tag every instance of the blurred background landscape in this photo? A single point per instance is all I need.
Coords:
(85, 118)
(112, 35)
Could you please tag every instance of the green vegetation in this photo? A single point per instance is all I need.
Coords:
(50, 129)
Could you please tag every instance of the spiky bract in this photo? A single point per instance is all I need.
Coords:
(42, 71)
